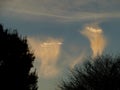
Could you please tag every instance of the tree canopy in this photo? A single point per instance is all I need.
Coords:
(16, 61)
(100, 73)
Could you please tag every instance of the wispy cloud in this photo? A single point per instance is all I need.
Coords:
(65, 10)
(96, 37)
(77, 60)
(47, 51)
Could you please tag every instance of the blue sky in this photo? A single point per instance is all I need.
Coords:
(63, 32)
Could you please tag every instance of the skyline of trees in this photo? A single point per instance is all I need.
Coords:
(100, 73)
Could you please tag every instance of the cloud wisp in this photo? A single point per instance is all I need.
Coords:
(47, 52)
(77, 60)
(97, 40)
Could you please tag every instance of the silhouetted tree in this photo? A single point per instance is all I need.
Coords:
(16, 62)
(100, 73)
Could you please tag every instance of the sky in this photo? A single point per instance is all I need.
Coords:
(61, 33)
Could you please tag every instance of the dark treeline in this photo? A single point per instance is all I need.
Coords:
(100, 73)
(16, 62)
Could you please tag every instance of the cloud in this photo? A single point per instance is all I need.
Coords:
(97, 40)
(77, 60)
(47, 51)
(64, 10)
(2, 4)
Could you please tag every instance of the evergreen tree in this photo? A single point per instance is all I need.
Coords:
(16, 62)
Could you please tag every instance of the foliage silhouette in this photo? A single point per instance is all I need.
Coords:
(100, 73)
(16, 62)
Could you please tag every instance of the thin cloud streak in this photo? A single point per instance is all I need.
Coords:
(72, 17)
(61, 10)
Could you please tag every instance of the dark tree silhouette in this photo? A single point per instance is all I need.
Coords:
(100, 73)
(16, 62)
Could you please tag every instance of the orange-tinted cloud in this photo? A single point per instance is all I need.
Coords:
(47, 52)
(97, 40)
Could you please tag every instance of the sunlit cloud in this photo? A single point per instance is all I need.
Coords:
(96, 37)
(47, 51)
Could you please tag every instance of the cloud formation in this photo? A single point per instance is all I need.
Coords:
(97, 40)
(64, 10)
(47, 52)
(77, 60)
